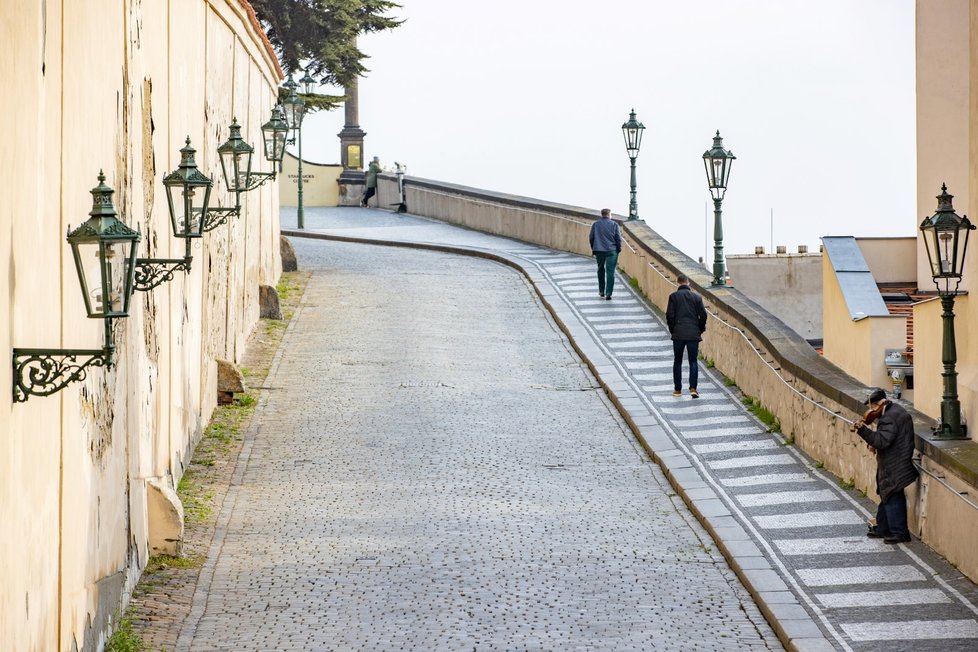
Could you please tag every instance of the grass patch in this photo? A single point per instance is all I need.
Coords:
(729, 382)
(124, 639)
(157, 563)
(196, 498)
(819, 465)
(765, 415)
(847, 484)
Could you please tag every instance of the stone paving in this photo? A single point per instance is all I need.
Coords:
(795, 537)
(433, 467)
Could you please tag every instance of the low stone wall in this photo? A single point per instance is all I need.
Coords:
(814, 401)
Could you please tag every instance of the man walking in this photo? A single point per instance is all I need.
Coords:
(686, 318)
(893, 441)
(605, 240)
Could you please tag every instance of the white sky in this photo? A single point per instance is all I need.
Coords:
(816, 100)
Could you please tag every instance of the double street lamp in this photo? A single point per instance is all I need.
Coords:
(945, 236)
(718, 162)
(632, 131)
(295, 110)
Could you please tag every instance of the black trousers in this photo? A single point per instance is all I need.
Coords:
(367, 195)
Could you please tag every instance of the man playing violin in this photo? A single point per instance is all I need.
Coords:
(893, 441)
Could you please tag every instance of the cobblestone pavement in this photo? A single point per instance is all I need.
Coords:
(435, 469)
(795, 537)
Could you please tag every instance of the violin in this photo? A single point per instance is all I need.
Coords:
(871, 415)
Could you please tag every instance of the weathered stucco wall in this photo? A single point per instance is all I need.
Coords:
(786, 285)
(814, 400)
(118, 88)
(320, 185)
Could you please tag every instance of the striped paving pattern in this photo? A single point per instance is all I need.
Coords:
(864, 594)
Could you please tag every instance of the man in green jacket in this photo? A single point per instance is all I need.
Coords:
(372, 171)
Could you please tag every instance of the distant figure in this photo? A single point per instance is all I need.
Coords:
(605, 245)
(686, 318)
(372, 171)
(893, 443)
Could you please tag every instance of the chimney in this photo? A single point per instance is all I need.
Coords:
(803, 249)
(782, 249)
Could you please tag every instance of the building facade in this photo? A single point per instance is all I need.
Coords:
(117, 88)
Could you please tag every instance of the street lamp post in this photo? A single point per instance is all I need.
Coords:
(632, 131)
(295, 109)
(945, 235)
(718, 162)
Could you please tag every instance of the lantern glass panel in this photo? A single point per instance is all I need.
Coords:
(236, 166)
(188, 204)
(105, 273)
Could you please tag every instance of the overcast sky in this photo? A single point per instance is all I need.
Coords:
(816, 100)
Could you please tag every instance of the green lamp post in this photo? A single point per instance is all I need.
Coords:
(945, 236)
(104, 250)
(718, 162)
(295, 110)
(632, 131)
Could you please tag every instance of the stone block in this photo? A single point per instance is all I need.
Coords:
(289, 262)
(268, 302)
(229, 381)
(165, 512)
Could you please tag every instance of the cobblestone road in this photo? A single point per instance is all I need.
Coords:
(795, 537)
(434, 468)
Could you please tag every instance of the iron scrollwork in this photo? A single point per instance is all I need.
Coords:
(42, 372)
(153, 272)
(258, 179)
(218, 216)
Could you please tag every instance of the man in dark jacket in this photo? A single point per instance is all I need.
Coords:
(686, 318)
(893, 441)
(605, 245)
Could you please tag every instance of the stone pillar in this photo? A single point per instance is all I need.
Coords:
(352, 179)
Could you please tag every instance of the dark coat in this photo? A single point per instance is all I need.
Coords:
(605, 236)
(893, 440)
(685, 315)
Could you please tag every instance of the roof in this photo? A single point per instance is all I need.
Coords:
(859, 289)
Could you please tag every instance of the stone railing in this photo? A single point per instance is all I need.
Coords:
(814, 401)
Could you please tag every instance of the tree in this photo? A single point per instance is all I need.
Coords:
(324, 34)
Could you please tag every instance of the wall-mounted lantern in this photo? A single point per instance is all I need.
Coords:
(236, 154)
(945, 235)
(104, 250)
(187, 196)
(274, 133)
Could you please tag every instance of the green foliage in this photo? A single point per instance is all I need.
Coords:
(847, 484)
(124, 639)
(819, 465)
(766, 416)
(157, 563)
(633, 281)
(324, 33)
(729, 382)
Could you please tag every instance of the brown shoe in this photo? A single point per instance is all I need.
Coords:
(693, 393)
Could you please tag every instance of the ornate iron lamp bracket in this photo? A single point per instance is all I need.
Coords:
(42, 372)
(218, 216)
(258, 179)
(153, 272)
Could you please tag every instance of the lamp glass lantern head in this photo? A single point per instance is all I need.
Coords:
(105, 251)
(632, 131)
(235, 155)
(188, 192)
(718, 162)
(294, 110)
(308, 83)
(274, 133)
(946, 241)
(289, 85)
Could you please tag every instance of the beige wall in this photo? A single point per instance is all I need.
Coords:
(857, 346)
(320, 185)
(115, 87)
(947, 151)
(789, 286)
(891, 260)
